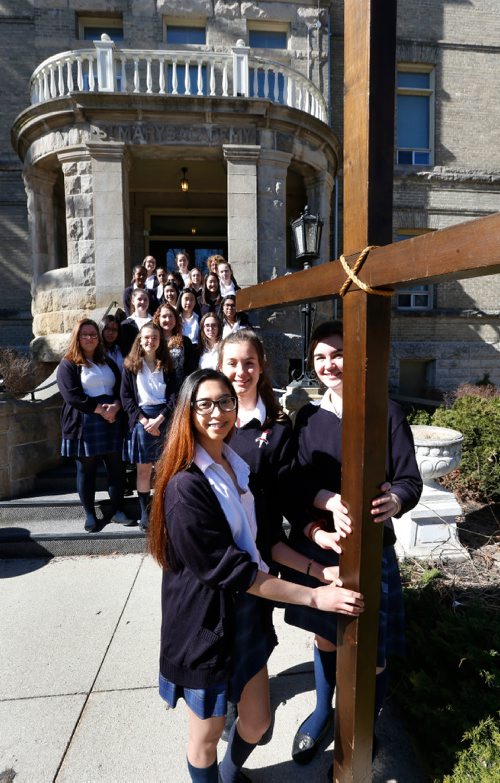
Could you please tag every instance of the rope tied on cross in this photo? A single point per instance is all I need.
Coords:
(352, 275)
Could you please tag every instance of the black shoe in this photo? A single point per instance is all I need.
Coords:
(91, 524)
(304, 746)
(241, 777)
(231, 715)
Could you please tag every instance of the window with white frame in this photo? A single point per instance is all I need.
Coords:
(414, 115)
(90, 28)
(415, 297)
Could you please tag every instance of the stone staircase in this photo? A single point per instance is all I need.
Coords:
(50, 521)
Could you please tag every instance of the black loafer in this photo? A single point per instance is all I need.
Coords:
(305, 747)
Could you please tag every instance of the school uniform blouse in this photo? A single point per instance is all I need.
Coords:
(129, 394)
(191, 328)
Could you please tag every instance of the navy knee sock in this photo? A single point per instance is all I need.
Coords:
(325, 664)
(144, 498)
(203, 774)
(236, 754)
(86, 469)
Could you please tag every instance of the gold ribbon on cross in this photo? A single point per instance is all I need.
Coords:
(352, 275)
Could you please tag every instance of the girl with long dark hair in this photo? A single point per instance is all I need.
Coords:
(182, 351)
(216, 631)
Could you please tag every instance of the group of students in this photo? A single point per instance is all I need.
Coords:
(231, 467)
(193, 296)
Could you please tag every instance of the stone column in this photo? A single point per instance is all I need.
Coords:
(39, 186)
(242, 211)
(272, 173)
(111, 220)
(319, 189)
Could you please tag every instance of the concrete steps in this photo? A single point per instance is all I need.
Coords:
(50, 521)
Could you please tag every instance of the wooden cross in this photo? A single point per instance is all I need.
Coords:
(465, 250)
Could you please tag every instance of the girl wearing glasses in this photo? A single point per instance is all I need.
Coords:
(210, 337)
(216, 631)
(109, 329)
(230, 321)
(89, 383)
(147, 392)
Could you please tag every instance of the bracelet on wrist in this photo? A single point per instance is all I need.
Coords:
(314, 529)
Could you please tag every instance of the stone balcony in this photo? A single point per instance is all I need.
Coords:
(108, 69)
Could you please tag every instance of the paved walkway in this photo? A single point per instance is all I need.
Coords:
(78, 672)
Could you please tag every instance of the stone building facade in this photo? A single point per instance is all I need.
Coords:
(247, 96)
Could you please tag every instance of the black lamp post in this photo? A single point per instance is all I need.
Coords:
(306, 232)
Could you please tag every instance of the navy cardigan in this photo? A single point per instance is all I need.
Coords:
(76, 401)
(318, 461)
(206, 572)
(129, 396)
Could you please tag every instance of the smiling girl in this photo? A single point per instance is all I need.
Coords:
(189, 319)
(320, 520)
(216, 633)
(147, 393)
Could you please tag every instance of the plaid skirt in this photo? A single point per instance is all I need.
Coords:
(391, 636)
(98, 436)
(141, 447)
(253, 642)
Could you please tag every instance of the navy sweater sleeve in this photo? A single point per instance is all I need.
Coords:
(70, 385)
(199, 537)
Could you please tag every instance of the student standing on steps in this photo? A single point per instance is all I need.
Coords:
(148, 393)
(91, 423)
(217, 633)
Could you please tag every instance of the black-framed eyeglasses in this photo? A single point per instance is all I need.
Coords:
(204, 406)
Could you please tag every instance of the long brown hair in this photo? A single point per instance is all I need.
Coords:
(135, 359)
(75, 354)
(175, 339)
(178, 455)
(274, 412)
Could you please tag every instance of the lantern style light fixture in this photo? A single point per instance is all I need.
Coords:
(306, 232)
(184, 183)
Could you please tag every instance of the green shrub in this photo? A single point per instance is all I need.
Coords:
(450, 681)
(478, 419)
(480, 762)
(473, 410)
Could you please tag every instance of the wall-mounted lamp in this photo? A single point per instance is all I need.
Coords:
(184, 183)
(194, 230)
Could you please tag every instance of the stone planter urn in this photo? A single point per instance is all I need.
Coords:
(429, 531)
(438, 451)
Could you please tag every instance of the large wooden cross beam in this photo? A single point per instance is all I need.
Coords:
(465, 250)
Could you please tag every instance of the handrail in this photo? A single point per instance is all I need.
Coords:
(107, 69)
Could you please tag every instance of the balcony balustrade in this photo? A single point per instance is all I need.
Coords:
(107, 69)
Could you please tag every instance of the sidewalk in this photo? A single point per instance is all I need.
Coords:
(78, 673)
